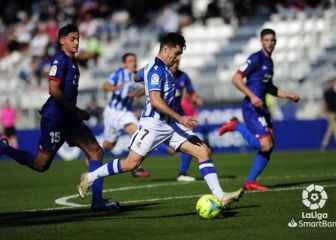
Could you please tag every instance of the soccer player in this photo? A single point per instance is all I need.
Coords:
(258, 71)
(160, 123)
(185, 100)
(62, 120)
(118, 115)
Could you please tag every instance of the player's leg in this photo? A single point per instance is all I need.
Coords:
(186, 142)
(207, 169)
(82, 137)
(185, 161)
(330, 130)
(261, 127)
(50, 141)
(142, 142)
(130, 129)
(235, 125)
(110, 132)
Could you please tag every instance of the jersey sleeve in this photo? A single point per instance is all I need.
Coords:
(114, 77)
(57, 70)
(250, 64)
(140, 76)
(155, 79)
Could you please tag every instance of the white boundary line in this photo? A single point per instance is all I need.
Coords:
(63, 201)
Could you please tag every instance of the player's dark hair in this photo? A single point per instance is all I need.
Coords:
(267, 31)
(65, 30)
(126, 55)
(172, 39)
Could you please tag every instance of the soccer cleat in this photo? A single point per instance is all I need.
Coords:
(140, 172)
(105, 205)
(3, 145)
(185, 178)
(254, 186)
(84, 185)
(228, 126)
(230, 197)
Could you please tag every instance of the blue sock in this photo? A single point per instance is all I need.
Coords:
(21, 156)
(206, 167)
(185, 160)
(259, 164)
(248, 136)
(114, 167)
(163, 148)
(97, 186)
(209, 174)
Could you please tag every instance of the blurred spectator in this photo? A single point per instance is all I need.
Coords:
(8, 116)
(329, 97)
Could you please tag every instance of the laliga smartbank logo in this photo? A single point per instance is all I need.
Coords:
(314, 198)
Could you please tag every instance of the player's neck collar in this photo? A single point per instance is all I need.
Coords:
(265, 53)
(159, 60)
(63, 52)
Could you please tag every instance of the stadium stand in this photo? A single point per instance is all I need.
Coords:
(217, 44)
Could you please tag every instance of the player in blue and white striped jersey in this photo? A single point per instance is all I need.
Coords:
(118, 114)
(160, 123)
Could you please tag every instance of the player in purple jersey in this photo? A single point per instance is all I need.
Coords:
(257, 130)
(184, 87)
(62, 120)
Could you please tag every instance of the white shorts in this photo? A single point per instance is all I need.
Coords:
(152, 132)
(115, 121)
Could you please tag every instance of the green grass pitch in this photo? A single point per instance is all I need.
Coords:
(160, 208)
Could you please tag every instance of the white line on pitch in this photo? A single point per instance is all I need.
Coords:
(68, 205)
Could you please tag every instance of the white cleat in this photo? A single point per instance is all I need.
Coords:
(84, 185)
(231, 196)
(185, 178)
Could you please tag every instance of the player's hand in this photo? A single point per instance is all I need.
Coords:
(119, 86)
(131, 94)
(293, 97)
(257, 102)
(188, 122)
(83, 115)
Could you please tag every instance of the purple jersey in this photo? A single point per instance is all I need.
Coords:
(65, 70)
(258, 71)
(182, 82)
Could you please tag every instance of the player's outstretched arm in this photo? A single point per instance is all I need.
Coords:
(238, 81)
(55, 91)
(108, 87)
(139, 92)
(159, 104)
(288, 95)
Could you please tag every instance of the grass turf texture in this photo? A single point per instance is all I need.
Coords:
(256, 216)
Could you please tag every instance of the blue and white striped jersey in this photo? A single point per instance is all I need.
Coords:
(120, 99)
(158, 77)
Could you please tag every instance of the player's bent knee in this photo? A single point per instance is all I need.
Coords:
(95, 152)
(266, 146)
(202, 153)
(41, 166)
(108, 145)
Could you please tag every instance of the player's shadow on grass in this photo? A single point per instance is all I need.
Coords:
(291, 184)
(230, 213)
(44, 217)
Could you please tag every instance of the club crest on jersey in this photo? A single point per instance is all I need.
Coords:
(244, 66)
(53, 70)
(155, 79)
